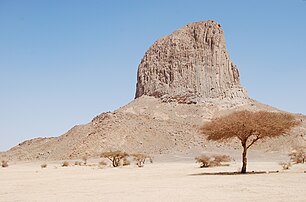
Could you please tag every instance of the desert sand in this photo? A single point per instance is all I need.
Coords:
(160, 181)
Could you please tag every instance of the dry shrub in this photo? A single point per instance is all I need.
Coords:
(4, 164)
(102, 163)
(65, 164)
(125, 162)
(116, 157)
(85, 158)
(285, 165)
(77, 163)
(219, 159)
(43, 165)
(216, 160)
(141, 159)
(298, 155)
(203, 160)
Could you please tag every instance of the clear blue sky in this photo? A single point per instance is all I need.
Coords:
(62, 62)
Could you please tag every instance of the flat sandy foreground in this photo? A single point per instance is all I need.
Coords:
(160, 181)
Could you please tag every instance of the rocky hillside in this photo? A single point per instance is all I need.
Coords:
(183, 80)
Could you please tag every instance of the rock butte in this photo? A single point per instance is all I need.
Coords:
(184, 79)
(190, 63)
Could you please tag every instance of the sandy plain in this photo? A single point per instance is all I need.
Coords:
(160, 181)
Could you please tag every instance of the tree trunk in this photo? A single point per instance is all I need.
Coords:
(114, 162)
(244, 158)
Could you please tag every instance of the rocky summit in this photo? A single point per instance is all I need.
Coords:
(184, 79)
(192, 65)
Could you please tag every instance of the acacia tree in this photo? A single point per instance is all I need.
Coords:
(114, 156)
(248, 127)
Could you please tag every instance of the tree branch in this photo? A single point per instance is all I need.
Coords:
(239, 138)
(257, 138)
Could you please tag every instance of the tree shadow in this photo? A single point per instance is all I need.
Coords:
(235, 173)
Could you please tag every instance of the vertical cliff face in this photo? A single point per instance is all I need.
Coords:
(191, 62)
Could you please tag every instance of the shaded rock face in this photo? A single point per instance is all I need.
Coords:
(190, 63)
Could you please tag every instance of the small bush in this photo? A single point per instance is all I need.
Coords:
(222, 158)
(285, 165)
(141, 159)
(125, 162)
(298, 155)
(65, 164)
(216, 160)
(43, 165)
(116, 157)
(4, 164)
(102, 163)
(203, 160)
(85, 158)
(77, 163)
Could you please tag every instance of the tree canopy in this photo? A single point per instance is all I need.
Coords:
(114, 156)
(249, 127)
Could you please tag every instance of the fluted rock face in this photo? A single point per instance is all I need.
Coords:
(191, 63)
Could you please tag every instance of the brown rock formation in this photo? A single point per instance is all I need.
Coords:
(191, 62)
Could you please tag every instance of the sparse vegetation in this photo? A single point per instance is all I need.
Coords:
(221, 159)
(203, 160)
(4, 164)
(43, 165)
(216, 160)
(85, 158)
(141, 159)
(125, 162)
(65, 164)
(102, 163)
(77, 163)
(285, 165)
(298, 155)
(115, 157)
(248, 127)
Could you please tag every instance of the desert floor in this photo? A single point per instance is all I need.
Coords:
(160, 181)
